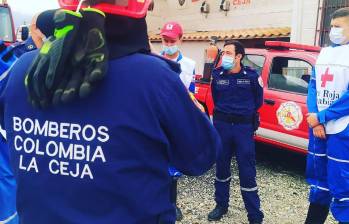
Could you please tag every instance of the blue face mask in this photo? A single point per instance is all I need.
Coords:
(170, 50)
(228, 63)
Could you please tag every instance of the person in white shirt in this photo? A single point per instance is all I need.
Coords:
(172, 34)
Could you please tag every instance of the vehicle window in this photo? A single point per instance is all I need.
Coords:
(254, 61)
(5, 25)
(289, 74)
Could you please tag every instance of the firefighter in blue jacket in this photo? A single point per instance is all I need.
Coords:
(41, 25)
(328, 159)
(97, 120)
(237, 93)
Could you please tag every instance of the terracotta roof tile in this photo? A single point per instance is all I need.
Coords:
(233, 34)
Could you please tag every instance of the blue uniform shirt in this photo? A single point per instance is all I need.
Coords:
(238, 94)
(105, 159)
(23, 47)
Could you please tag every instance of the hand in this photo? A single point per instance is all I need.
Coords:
(312, 120)
(319, 131)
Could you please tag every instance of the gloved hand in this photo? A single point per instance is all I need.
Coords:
(48, 69)
(89, 60)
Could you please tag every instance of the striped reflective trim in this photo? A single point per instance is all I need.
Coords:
(249, 189)
(317, 154)
(223, 180)
(320, 188)
(283, 138)
(338, 160)
(4, 75)
(344, 199)
(9, 219)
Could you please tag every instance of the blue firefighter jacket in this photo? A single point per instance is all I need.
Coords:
(105, 159)
(239, 94)
(20, 48)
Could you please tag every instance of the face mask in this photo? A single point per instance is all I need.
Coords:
(228, 63)
(170, 50)
(336, 35)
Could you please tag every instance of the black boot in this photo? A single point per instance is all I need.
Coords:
(179, 215)
(317, 214)
(217, 213)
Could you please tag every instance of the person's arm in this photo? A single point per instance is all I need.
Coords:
(258, 91)
(192, 83)
(338, 109)
(312, 96)
(193, 139)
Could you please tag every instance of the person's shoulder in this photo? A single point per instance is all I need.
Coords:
(23, 63)
(189, 60)
(29, 44)
(217, 71)
(251, 72)
(158, 63)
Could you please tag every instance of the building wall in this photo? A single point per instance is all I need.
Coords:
(252, 14)
(304, 20)
(300, 15)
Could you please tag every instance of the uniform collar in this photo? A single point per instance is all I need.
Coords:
(221, 71)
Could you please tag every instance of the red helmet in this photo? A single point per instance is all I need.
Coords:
(130, 8)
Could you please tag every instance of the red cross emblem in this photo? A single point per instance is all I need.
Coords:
(327, 77)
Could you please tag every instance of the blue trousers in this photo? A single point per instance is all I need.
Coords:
(333, 167)
(7, 187)
(237, 138)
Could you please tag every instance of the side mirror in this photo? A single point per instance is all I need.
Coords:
(25, 33)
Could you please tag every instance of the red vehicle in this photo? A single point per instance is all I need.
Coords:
(285, 69)
(7, 32)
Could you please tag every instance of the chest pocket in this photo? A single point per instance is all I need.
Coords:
(223, 84)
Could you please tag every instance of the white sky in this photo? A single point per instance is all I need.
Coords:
(24, 10)
(32, 6)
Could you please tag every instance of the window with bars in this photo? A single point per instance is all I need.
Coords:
(326, 9)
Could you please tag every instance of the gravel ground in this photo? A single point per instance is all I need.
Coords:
(282, 189)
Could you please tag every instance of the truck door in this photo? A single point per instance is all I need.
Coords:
(283, 113)
(6, 24)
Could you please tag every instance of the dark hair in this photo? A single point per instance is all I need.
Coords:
(45, 22)
(343, 12)
(239, 47)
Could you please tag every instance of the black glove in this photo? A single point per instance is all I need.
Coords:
(90, 58)
(48, 68)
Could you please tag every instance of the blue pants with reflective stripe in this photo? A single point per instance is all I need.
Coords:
(334, 168)
(338, 174)
(7, 186)
(237, 138)
(316, 171)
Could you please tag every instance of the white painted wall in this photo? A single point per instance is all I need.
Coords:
(257, 14)
(304, 21)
